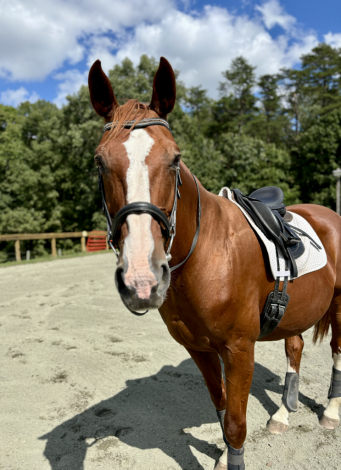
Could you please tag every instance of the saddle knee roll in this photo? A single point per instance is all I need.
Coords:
(335, 384)
(290, 394)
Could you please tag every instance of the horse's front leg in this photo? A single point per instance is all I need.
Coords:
(238, 357)
(210, 367)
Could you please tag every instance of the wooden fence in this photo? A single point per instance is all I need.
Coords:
(49, 236)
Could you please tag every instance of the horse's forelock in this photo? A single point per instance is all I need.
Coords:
(132, 110)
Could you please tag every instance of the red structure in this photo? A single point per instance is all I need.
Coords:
(96, 241)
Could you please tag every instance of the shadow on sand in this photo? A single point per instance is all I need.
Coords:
(152, 413)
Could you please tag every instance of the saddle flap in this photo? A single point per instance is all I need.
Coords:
(269, 220)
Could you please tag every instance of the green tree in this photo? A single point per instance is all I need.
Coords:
(248, 164)
(321, 78)
(236, 106)
(77, 177)
(131, 82)
(318, 153)
(292, 138)
(314, 89)
(271, 123)
(29, 200)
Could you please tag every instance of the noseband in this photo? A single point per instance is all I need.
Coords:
(168, 226)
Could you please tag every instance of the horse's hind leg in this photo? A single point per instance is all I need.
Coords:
(330, 418)
(279, 422)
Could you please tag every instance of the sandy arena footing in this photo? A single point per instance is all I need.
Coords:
(87, 385)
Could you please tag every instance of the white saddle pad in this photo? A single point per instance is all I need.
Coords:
(311, 260)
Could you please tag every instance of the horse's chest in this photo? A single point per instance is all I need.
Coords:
(188, 336)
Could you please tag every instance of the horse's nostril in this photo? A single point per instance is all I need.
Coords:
(165, 272)
(122, 287)
(119, 278)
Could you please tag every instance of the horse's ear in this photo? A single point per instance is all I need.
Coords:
(101, 93)
(164, 89)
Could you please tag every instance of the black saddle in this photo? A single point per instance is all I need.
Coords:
(266, 208)
(272, 197)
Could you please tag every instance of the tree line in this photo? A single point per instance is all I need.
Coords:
(282, 129)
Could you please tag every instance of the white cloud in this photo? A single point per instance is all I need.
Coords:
(333, 40)
(202, 46)
(15, 97)
(273, 13)
(71, 81)
(38, 37)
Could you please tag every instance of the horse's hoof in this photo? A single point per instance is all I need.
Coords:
(220, 466)
(275, 427)
(329, 423)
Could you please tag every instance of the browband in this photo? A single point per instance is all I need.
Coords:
(140, 125)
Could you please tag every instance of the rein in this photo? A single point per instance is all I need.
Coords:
(168, 226)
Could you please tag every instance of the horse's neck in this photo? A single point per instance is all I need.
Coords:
(187, 216)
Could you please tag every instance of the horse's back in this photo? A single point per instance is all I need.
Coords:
(327, 225)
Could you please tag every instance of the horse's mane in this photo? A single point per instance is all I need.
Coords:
(132, 110)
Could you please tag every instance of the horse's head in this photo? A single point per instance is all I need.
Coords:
(138, 165)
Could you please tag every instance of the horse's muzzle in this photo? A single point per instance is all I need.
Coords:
(145, 289)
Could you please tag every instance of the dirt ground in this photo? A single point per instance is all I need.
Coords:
(87, 385)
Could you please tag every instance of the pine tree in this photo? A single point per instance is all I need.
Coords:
(321, 78)
(236, 106)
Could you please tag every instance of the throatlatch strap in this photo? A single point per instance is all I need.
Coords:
(196, 236)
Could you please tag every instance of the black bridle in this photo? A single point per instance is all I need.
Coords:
(168, 226)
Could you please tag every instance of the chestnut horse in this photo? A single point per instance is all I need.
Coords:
(211, 304)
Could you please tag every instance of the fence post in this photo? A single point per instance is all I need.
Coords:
(53, 247)
(17, 250)
(84, 234)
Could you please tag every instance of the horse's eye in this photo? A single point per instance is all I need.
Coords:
(98, 160)
(176, 160)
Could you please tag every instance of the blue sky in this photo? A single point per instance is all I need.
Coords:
(48, 46)
(321, 16)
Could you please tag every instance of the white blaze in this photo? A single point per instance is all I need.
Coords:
(139, 244)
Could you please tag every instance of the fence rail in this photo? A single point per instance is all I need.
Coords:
(17, 237)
